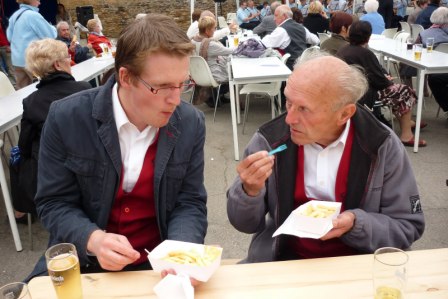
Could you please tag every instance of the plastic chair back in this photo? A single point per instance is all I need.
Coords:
(222, 22)
(416, 29)
(390, 32)
(442, 48)
(6, 87)
(402, 36)
(231, 17)
(200, 72)
(405, 27)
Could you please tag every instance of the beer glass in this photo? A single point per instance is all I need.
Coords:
(418, 48)
(389, 273)
(429, 44)
(236, 40)
(15, 290)
(63, 268)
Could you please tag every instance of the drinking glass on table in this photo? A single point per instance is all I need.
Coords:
(389, 273)
(15, 290)
(64, 271)
(429, 44)
(409, 43)
(418, 48)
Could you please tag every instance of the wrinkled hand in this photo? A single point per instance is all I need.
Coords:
(193, 281)
(254, 170)
(113, 251)
(342, 224)
(72, 46)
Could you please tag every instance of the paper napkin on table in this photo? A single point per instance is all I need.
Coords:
(174, 286)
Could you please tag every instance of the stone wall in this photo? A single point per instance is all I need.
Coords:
(116, 14)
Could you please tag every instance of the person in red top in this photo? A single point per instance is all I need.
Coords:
(5, 54)
(95, 38)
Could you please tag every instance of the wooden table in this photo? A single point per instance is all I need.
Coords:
(341, 277)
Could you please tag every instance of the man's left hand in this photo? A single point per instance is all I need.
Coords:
(342, 224)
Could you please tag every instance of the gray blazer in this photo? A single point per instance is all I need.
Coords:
(266, 26)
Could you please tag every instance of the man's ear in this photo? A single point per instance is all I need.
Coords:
(124, 77)
(347, 112)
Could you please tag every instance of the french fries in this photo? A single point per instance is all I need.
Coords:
(318, 211)
(74, 38)
(192, 257)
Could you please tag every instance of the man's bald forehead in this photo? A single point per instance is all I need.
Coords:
(324, 64)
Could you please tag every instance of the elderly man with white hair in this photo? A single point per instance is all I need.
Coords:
(373, 17)
(77, 52)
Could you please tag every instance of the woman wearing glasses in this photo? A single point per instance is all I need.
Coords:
(49, 61)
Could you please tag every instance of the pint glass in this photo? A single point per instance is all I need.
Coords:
(63, 268)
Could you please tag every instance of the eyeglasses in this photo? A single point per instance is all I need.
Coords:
(183, 87)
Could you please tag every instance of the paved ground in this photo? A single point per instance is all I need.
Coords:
(430, 167)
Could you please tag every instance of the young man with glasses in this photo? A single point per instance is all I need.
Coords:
(121, 166)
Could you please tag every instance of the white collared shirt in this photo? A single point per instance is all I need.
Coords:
(321, 167)
(133, 143)
(279, 38)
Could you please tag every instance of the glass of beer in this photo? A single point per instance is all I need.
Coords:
(389, 273)
(236, 40)
(429, 44)
(15, 290)
(63, 268)
(418, 48)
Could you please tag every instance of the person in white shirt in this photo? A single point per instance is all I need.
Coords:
(289, 36)
(193, 29)
(219, 34)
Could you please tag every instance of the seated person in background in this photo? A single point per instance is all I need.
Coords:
(266, 10)
(373, 17)
(297, 15)
(77, 52)
(137, 177)
(289, 36)
(335, 5)
(316, 21)
(400, 97)
(48, 60)
(421, 4)
(424, 17)
(303, 6)
(254, 12)
(292, 4)
(396, 19)
(64, 15)
(218, 35)
(193, 29)
(367, 170)
(348, 7)
(244, 17)
(95, 38)
(267, 24)
(339, 24)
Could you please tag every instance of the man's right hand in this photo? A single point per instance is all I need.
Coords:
(254, 171)
(72, 46)
(113, 251)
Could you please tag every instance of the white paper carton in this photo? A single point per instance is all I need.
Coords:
(201, 273)
(308, 227)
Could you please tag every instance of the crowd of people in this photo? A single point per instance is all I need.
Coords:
(137, 177)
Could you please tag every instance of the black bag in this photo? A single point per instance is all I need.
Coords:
(23, 176)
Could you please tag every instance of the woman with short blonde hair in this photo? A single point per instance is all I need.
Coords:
(44, 58)
(316, 21)
(95, 37)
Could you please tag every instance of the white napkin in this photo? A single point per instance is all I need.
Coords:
(174, 287)
(291, 226)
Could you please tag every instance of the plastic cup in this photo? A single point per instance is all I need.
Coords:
(389, 273)
(15, 290)
(418, 48)
(429, 44)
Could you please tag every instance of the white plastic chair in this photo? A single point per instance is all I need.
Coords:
(415, 30)
(390, 32)
(6, 88)
(222, 22)
(270, 89)
(405, 27)
(441, 48)
(231, 17)
(323, 37)
(201, 74)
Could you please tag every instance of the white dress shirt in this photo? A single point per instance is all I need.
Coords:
(133, 143)
(321, 167)
(279, 38)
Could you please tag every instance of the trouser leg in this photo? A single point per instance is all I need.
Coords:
(23, 77)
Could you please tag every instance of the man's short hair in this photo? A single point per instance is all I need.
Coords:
(206, 23)
(196, 14)
(360, 33)
(420, 3)
(284, 10)
(440, 16)
(315, 7)
(60, 24)
(154, 33)
(340, 19)
(41, 55)
(24, 1)
(274, 6)
(91, 24)
(350, 79)
(371, 6)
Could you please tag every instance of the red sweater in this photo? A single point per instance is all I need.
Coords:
(133, 214)
(96, 40)
(3, 40)
(315, 248)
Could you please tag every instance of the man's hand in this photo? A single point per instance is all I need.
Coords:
(8, 49)
(254, 170)
(113, 251)
(342, 224)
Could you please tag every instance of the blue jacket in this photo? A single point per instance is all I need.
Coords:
(80, 167)
(376, 20)
(29, 27)
(424, 18)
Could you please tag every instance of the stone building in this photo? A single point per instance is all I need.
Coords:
(116, 14)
